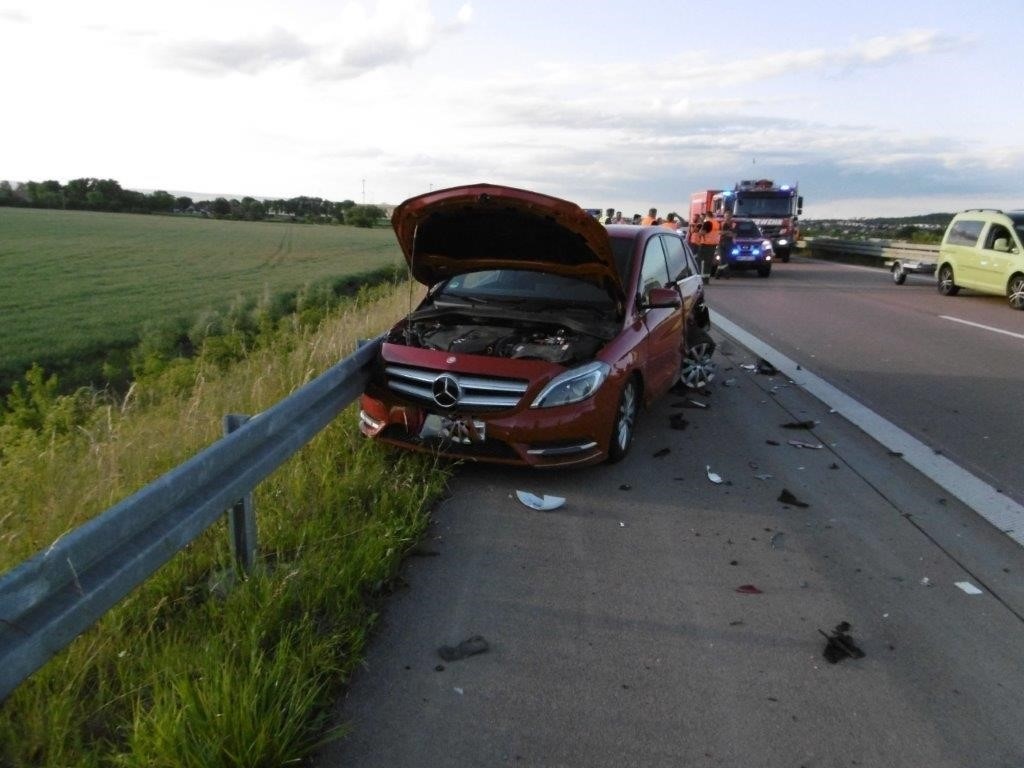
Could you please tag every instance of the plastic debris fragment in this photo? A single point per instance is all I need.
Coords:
(625, 487)
(798, 425)
(763, 477)
(469, 647)
(969, 588)
(714, 477)
(765, 368)
(748, 367)
(695, 404)
(809, 446)
(840, 644)
(662, 452)
(540, 503)
(729, 383)
(786, 497)
(676, 421)
(748, 589)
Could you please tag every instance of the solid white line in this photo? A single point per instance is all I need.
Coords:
(985, 327)
(1000, 510)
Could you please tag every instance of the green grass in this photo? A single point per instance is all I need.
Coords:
(183, 672)
(76, 283)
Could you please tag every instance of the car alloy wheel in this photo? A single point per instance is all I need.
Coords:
(625, 421)
(1015, 293)
(946, 285)
(899, 275)
(698, 369)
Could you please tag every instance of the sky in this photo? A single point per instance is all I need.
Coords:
(891, 109)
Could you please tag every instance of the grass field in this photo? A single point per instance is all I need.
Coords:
(75, 283)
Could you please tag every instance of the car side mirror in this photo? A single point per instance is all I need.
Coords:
(662, 298)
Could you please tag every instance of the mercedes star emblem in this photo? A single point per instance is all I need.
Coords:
(446, 391)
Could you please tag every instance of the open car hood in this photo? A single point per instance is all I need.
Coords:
(484, 226)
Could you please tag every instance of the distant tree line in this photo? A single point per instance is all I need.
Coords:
(108, 195)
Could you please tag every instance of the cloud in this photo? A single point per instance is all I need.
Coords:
(251, 56)
(358, 40)
(15, 17)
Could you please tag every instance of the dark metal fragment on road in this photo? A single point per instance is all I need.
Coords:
(833, 465)
(469, 647)
(840, 644)
(897, 454)
(772, 442)
(662, 452)
(676, 421)
(787, 497)
(625, 487)
(765, 368)
(798, 425)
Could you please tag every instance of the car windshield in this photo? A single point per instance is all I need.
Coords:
(518, 285)
(764, 206)
(747, 229)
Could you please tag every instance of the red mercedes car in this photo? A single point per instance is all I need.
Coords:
(542, 332)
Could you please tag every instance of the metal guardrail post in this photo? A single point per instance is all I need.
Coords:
(242, 514)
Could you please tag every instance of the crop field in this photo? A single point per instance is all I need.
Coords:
(74, 282)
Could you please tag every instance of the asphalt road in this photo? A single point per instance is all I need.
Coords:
(616, 633)
(956, 387)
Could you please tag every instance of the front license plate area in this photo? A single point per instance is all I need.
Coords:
(456, 429)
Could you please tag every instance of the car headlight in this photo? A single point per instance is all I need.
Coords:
(783, 241)
(573, 386)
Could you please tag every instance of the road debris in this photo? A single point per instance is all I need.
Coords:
(926, 582)
(662, 452)
(840, 645)
(765, 368)
(676, 421)
(540, 503)
(694, 404)
(748, 367)
(729, 383)
(625, 487)
(809, 446)
(469, 647)
(778, 540)
(786, 497)
(748, 589)
(798, 424)
(969, 588)
(772, 442)
(763, 477)
(714, 477)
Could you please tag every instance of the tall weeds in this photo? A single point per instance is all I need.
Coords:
(200, 666)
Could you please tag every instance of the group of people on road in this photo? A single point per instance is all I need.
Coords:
(671, 221)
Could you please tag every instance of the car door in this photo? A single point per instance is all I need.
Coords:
(995, 262)
(961, 248)
(664, 325)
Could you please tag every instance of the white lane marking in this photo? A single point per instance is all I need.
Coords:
(1000, 510)
(985, 327)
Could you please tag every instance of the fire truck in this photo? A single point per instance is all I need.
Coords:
(774, 208)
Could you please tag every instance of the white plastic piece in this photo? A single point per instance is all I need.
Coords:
(540, 503)
(714, 477)
(969, 588)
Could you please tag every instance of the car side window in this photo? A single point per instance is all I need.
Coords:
(965, 232)
(999, 239)
(654, 273)
(676, 258)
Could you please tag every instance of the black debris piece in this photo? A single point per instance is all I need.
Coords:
(470, 647)
(840, 645)
(786, 497)
(662, 452)
(798, 425)
(833, 465)
(676, 421)
(765, 368)
(897, 454)
(439, 668)
(625, 487)
(423, 552)
(772, 442)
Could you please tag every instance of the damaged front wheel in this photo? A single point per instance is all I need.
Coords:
(698, 369)
(625, 421)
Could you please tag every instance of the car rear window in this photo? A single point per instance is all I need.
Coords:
(965, 232)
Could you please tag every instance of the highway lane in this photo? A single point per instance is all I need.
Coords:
(948, 370)
(617, 636)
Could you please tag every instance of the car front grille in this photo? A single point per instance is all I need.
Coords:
(484, 392)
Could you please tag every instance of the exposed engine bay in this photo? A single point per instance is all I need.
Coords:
(520, 340)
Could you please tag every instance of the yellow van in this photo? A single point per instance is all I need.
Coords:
(982, 251)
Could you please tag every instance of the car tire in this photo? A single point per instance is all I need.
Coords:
(697, 369)
(899, 275)
(1015, 292)
(764, 271)
(946, 285)
(625, 421)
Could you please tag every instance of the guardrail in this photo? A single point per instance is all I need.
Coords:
(871, 251)
(50, 599)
